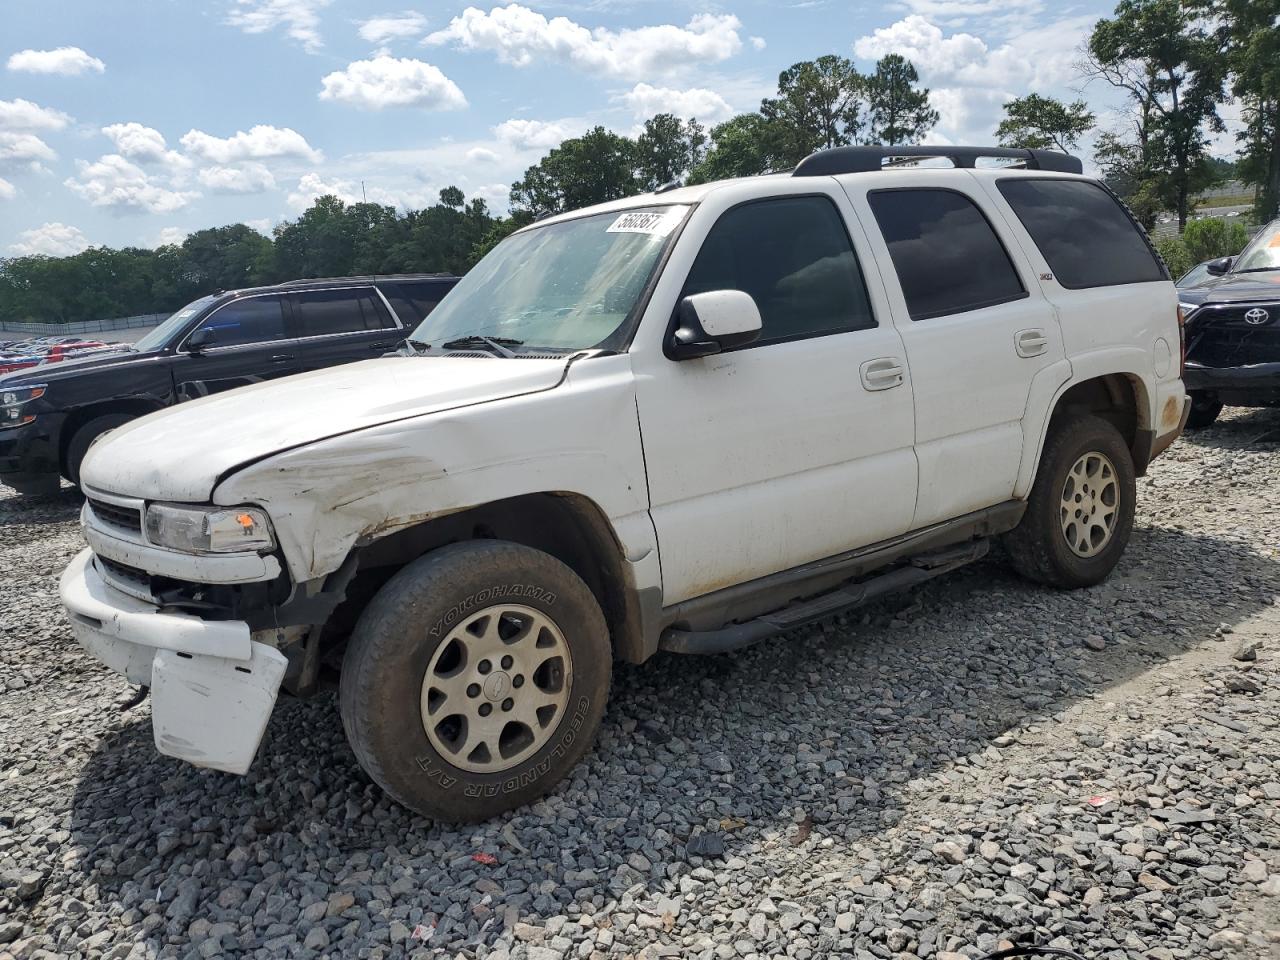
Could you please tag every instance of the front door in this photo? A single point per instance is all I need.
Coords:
(977, 331)
(798, 446)
(250, 343)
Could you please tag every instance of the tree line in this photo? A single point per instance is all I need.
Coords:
(1176, 63)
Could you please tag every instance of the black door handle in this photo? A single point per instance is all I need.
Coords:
(380, 345)
(282, 358)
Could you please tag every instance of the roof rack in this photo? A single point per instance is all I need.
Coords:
(826, 163)
(362, 278)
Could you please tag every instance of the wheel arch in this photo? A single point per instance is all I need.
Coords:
(568, 526)
(134, 406)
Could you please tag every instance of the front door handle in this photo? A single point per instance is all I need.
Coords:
(1030, 343)
(883, 373)
(282, 358)
(380, 345)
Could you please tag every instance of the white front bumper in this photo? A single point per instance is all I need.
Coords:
(212, 688)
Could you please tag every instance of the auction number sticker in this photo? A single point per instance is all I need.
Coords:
(656, 223)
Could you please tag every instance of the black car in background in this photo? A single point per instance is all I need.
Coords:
(1233, 331)
(50, 414)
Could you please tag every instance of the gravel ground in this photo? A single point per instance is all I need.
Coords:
(983, 760)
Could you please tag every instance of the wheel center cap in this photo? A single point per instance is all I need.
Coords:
(496, 686)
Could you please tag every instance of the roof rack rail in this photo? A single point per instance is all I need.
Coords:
(826, 163)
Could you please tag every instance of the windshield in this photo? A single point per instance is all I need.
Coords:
(564, 286)
(161, 335)
(1262, 253)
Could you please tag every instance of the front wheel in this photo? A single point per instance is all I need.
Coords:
(475, 680)
(84, 438)
(1080, 512)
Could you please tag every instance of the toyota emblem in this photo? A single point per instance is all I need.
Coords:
(1257, 316)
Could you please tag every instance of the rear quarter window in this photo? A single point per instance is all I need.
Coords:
(1084, 234)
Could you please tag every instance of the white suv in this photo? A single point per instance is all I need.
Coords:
(685, 421)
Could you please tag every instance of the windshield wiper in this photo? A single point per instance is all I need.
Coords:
(1256, 270)
(416, 348)
(497, 344)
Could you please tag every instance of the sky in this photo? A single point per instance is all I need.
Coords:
(136, 122)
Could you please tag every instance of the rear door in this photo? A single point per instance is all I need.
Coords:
(976, 328)
(341, 325)
(251, 343)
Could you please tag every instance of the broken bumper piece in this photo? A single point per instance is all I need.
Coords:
(212, 687)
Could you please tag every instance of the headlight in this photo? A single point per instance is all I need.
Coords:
(209, 529)
(12, 402)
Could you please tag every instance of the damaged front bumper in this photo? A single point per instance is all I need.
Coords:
(1251, 385)
(212, 686)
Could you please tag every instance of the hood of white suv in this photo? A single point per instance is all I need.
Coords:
(181, 452)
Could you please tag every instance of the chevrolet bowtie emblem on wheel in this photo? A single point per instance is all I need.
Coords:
(1257, 316)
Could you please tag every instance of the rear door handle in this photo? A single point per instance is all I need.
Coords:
(282, 358)
(883, 373)
(1030, 343)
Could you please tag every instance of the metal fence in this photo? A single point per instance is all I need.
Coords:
(85, 326)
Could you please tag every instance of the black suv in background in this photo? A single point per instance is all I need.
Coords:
(49, 415)
(1233, 330)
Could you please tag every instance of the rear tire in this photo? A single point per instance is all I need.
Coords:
(84, 437)
(475, 680)
(1204, 410)
(1080, 512)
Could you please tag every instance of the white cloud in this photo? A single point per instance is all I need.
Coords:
(999, 14)
(137, 142)
(51, 240)
(262, 142)
(122, 187)
(758, 43)
(537, 134)
(392, 82)
(25, 115)
(262, 224)
(313, 185)
(493, 194)
(392, 26)
(299, 18)
(521, 36)
(481, 155)
(705, 105)
(23, 148)
(7, 190)
(65, 61)
(170, 236)
(248, 177)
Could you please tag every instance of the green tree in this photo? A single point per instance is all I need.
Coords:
(1043, 123)
(668, 149)
(1126, 169)
(222, 258)
(1162, 54)
(593, 168)
(897, 112)
(739, 148)
(1214, 237)
(819, 105)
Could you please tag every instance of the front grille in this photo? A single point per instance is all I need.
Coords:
(126, 519)
(122, 572)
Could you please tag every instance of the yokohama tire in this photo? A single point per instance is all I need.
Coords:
(414, 623)
(1039, 547)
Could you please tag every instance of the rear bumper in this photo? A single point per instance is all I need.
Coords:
(213, 688)
(1256, 384)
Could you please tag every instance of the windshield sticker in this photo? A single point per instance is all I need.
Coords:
(656, 223)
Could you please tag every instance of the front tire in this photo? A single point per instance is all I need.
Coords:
(475, 680)
(1080, 512)
(84, 437)
(1204, 410)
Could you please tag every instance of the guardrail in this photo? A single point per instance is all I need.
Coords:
(84, 326)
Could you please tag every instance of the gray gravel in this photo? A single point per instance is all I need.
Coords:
(980, 761)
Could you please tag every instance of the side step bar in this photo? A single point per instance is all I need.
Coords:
(738, 635)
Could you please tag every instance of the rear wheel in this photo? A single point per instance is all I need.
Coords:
(83, 438)
(475, 680)
(1204, 410)
(1080, 512)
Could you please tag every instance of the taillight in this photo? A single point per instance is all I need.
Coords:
(1182, 341)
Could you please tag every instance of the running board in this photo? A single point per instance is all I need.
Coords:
(738, 635)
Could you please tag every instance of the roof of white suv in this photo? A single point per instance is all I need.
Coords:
(858, 161)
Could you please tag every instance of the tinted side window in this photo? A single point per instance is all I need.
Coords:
(323, 312)
(947, 257)
(253, 320)
(1086, 237)
(413, 301)
(794, 257)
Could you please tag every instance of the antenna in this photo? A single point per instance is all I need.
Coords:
(363, 198)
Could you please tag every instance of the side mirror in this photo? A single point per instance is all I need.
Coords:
(713, 322)
(201, 340)
(1220, 266)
